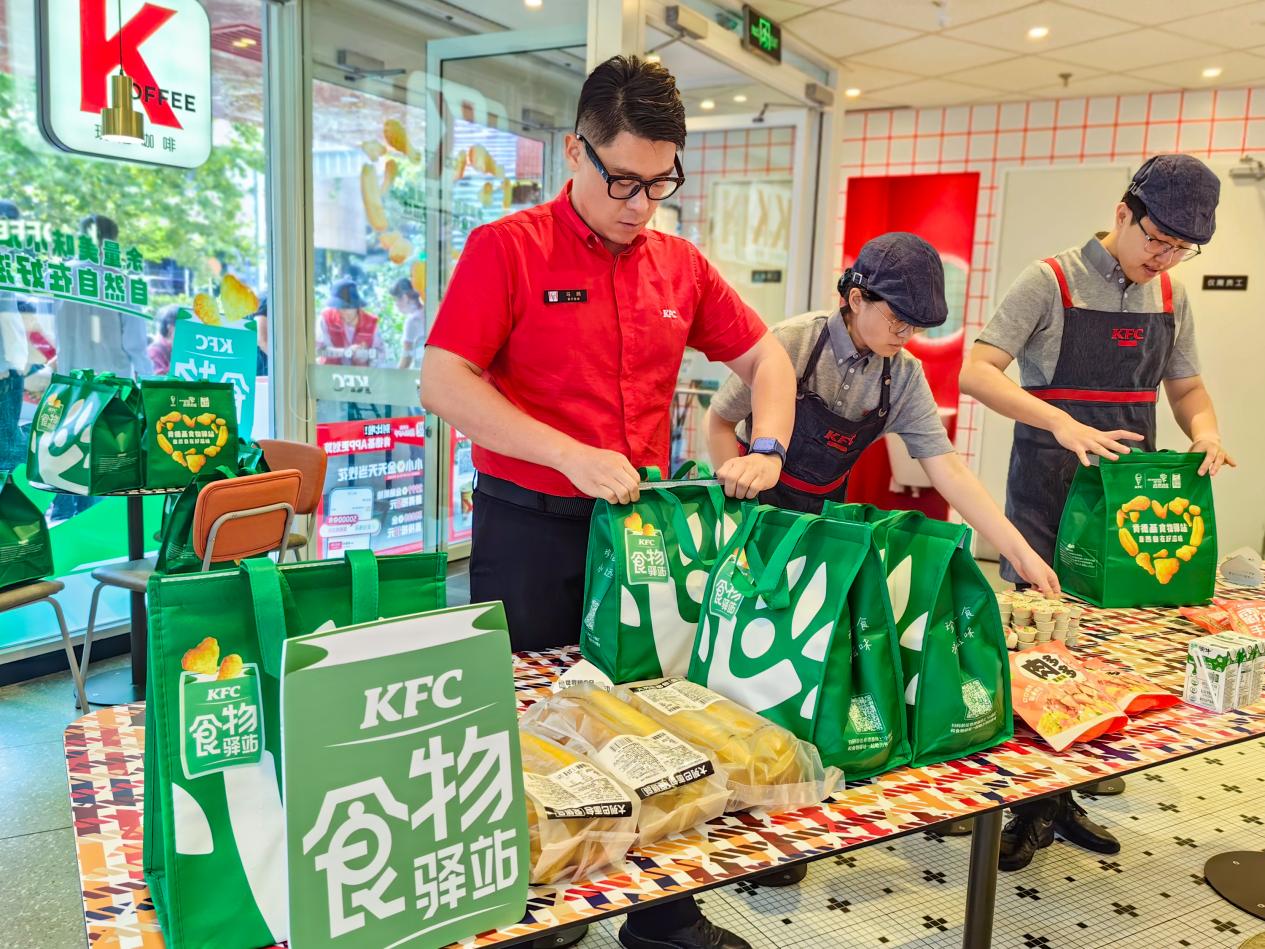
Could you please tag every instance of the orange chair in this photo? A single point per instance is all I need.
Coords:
(233, 519)
(311, 461)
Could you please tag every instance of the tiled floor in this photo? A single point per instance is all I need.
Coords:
(907, 894)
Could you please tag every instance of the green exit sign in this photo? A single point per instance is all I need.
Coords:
(761, 34)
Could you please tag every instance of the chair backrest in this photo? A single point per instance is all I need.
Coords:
(245, 517)
(309, 460)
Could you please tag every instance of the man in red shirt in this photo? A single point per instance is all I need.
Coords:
(556, 350)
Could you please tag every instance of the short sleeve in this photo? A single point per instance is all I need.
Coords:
(732, 401)
(723, 327)
(1183, 362)
(1022, 310)
(476, 315)
(916, 417)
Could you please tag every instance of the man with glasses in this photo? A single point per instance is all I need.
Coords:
(556, 349)
(1096, 329)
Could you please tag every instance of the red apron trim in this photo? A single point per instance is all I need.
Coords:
(1166, 291)
(1093, 395)
(1064, 291)
(808, 488)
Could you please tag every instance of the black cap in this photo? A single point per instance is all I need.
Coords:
(1180, 193)
(345, 295)
(906, 272)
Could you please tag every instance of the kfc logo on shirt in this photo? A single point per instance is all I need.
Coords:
(1127, 336)
(840, 442)
(671, 315)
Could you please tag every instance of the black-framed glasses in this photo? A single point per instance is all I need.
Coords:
(1158, 248)
(623, 187)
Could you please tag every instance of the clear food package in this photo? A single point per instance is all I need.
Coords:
(579, 819)
(766, 765)
(679, 786)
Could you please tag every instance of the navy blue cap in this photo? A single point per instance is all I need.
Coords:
(906, 272)
(1180, 193)
(345, 295)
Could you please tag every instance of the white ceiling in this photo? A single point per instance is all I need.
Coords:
(951, 52)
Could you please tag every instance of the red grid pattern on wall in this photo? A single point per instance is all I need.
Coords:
(1222, 123)
(738, 153)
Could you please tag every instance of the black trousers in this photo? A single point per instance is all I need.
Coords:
(533, 562)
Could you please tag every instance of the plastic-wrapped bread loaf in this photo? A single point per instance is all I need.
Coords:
(766, 765)
(579, 819)
(679, 786)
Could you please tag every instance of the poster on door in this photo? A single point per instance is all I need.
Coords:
(373, 497)
(751, 222)
(461, 511)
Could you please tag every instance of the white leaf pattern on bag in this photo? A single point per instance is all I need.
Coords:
(911, 690)
(193, 830)
(757, 637)
(696, 585)
(629, 614)
(258, 821)
(795, 570)
(912, 637)
(673, 636)
(815, 648)
(898, 580)
(810, 705)
(705, 638)
(764, 690)
(695, 524)
(809, 604)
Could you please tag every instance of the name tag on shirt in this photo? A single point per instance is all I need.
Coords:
(566, 296)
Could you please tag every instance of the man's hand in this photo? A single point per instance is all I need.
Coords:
(1214, 455)
(747, 476)
(603, 474)
(1083, 441)
(1029, 565)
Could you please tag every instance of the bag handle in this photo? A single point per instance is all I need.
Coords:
(693, 469)
(363, 567)
(650, 475)
(769, 583)
(265, 581)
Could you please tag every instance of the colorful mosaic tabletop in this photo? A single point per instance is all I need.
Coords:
(105, 752)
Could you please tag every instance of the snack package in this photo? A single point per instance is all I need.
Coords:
(578, 819)
(1246, 616)
(765, 764)
(1058, 698)
(1213, 618)
(679, 786)
(1131, 691)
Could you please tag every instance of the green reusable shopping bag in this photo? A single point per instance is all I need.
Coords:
(86, 435)
(175, 550)
(775, 633)
(214, 828)
(1139, 531)
(953, 648)
(25, 551)
(188, 426)
(647, 567)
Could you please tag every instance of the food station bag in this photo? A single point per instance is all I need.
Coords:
(25, 551)
(86, 435)
(188, 426)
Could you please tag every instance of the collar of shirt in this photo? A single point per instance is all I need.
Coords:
(841, 342)
(1099, 258)
(565, 211)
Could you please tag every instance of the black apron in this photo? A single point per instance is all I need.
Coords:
(1109, 368)
(824, 446)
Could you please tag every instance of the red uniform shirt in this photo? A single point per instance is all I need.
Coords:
(583, 341)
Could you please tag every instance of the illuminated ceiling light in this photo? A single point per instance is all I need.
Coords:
(707, 105)
(244, 42)
(740, 98)
(1038, 32)
(533, 4)
(120, 122)
(1212, 72)
(653, 58)
(852, 93)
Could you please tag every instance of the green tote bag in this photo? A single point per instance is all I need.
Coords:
(953, 648)
(214, 828)
(648, 564)
(1139, 531)
(775, 633)
(25, 551)
(189, 427)
(86, 435)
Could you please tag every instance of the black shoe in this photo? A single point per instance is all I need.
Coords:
(1021, 838)
(1074, 826)
(782, 876)
(562, 938)
(702, 934)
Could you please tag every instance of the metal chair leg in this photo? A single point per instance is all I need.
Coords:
(76, 672)
(87, 635)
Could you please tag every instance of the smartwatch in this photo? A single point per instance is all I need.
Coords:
(768, 446)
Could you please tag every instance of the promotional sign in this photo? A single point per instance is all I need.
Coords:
(373, 497)
(36, 260)
(202, 353)
(461, 514)
(405, 816)
(164, 46)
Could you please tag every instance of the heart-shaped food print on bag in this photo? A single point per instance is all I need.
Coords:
(191, 439)
(1173, 531)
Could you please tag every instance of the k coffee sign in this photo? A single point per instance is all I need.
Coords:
(165, 48)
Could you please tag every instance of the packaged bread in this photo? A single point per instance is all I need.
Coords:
(579, 819)
(766, 766)
(679, 786)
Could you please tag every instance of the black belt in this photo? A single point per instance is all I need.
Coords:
(510, 493)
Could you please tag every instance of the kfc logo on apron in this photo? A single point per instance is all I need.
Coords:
(840, 442)
(1127, 336)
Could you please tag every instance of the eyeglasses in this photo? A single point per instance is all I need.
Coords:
(900, 328)
(624, 187)
(1158, 248)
